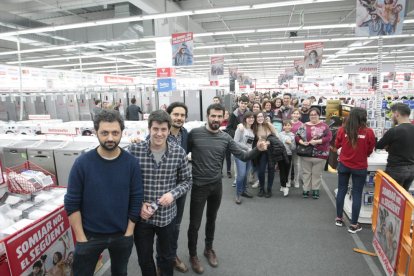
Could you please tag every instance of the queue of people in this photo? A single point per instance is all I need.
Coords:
(141, 192)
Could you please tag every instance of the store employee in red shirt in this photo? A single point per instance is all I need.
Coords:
(356, 142)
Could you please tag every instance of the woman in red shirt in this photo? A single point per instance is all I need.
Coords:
(356, 142)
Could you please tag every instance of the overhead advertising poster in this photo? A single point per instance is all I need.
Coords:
(233, 73)
(299, 66)
(217, 65)
(379, 17)
(389, 226)
(182, 49)
(313, 54)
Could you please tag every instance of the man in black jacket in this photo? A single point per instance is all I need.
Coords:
(132, 111)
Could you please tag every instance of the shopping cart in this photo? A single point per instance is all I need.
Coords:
(29, 178)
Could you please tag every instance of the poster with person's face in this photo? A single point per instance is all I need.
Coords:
(182, 49)
(217, 66)
(313, 54)
(299, 66)
(233, 73)
(379, 17)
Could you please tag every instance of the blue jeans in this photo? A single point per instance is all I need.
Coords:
(144, 242)
(404, 175)
(242, 170)
(87, 254)
(358, 182)
(263, 164)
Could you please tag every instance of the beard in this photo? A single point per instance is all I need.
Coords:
(214, 125)
(177, 124)
(305, 109)
(109, 146)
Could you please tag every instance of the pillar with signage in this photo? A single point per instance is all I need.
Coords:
(166, 82)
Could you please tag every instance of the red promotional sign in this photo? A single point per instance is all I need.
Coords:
(165, 72)
(181, 37)
(389, 226)
(118, 80)
(214, 83)
(39, 243)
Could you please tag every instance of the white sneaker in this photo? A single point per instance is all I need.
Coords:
(256, 184)
(288, 184)
(281, 189)
(285, 191)
(296, 184)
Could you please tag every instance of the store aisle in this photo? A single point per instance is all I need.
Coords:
(279, 236)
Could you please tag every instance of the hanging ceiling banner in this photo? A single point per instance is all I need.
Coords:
(313, 54)
(368, 68)
(182, 49)
(217, 65)
(380, 17)
(299, 66)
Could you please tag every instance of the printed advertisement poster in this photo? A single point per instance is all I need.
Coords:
(217, 66)
(43, 249)
(182, 49)
(313, 54)
(389, 226)
(299, 66)
(379, 17)
(233, 73)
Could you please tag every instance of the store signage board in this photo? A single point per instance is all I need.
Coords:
(368, 68)
(166, 85)
(39, 117)
(51, 234)
(118, 80)
(67, 130)
(165, 72)
(389, 226)
(217, 65)
(182, 45)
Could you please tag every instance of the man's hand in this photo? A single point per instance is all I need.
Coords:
(146, 211)
(135, 140)
(166, 199)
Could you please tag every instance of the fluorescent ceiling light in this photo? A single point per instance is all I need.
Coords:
(290, 3)
(222, 10)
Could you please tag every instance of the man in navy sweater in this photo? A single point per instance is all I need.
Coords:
(104, 199)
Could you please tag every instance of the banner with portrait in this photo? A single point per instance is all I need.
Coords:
(313, 54)
(217, 65)
(233, 73)
(379, 17)
(299, 66)
(182, 49)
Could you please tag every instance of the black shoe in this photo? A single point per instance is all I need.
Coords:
(268, 194)
(229, 175)
(246, 194)
(261, 193)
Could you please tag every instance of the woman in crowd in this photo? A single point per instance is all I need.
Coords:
(256, 107)
(316, 134)
(295, 167)
(244, 137)
(356, 142)
(267, 107)
(263, 129)
(277, 114)
(295, 102)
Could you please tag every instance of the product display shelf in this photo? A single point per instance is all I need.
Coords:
(377, 161)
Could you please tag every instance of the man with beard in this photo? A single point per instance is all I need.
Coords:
(304, 111)
(208, 147)
(398, 141)
(166, 177)
(104, 199)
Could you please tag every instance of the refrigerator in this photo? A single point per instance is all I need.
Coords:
(84, 111)
(29, 105)
(66, 156)
(50, 104)
(16, 154)
(62, 107)
(72, 105)
(42, 154)
(193, 102)
(207, 96)
(3, 144)
(40, 105)
(177, 96)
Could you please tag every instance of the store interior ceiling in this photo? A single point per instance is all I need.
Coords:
(261, 38)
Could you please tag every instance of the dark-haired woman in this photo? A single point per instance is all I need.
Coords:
(356, 142)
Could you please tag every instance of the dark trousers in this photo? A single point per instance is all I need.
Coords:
(404, 175)
(200, 195)
(144, 242)
(180, 202)
(263, 164)
(87, 254)
(228, 160)
(284, 169)
(358, 182)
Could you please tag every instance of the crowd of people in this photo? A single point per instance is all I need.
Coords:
(141, 192)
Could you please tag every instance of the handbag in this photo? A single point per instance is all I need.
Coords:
(304, 151)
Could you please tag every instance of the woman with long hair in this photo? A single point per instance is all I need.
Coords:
(277, 114)
(317, 134)
(262, 130)
(355, 142)
(244, 137)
